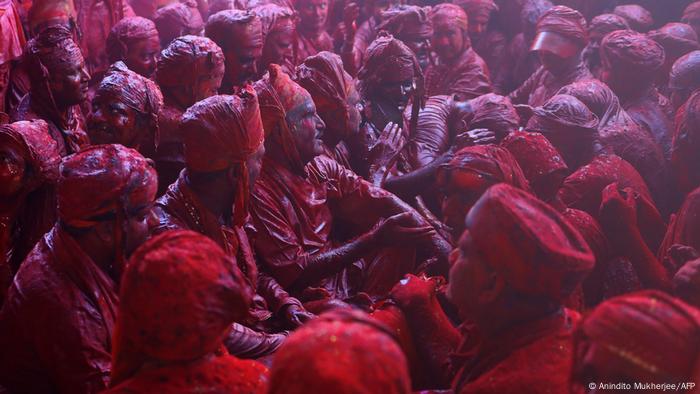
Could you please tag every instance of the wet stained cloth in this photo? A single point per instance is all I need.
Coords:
(467, 77)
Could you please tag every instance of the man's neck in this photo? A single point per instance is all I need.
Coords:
(217, 202)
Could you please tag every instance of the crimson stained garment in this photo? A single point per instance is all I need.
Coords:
(467, 77)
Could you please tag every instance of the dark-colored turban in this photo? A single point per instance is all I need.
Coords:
(632, 52)
(607, 23)
(135, 91)
(563, 112)
(186, 59)
(489, 162)
(174, 19)
(685, 73)
(539, 160)
(235, 29)
(531, 245)
(52, 51)
(127, 32)
(387, 55)
(494, 112)
(452, 13)
(637, 17)
(407, 22)
(180, 294)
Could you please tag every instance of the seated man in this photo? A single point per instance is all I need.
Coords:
(158, 351)
(223, 152)
(460, 70)
(638, 338)
(517, 261)
(59, 84)
(356, 354)
(240, 36)
(69, 281)
(300, 196)
(190, 69)
(134, 40)
(631, 63)
(125, 110)
(560, 39)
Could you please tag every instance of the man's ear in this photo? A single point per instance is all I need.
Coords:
(493, 288)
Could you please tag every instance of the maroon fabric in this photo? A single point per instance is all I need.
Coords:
(127, 32)
(691, 15)
(232, 29)
(276, 19)
(542, 165)
(566, 22)
(684, 158)
(677, 40)
(632, 51)
(213, 294)
(650, 335)
(603, 24)
(343, 345)
(637, 16)
(685, 73)
(583, 189)
(30, 212)
(531, 245)
(387, 56)
(407, 22)
(467, 76)
(95, 20)
(433, 135)
(51, 52)
(542, 85)
(177, 19)
(77, 302)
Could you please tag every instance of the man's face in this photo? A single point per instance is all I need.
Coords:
(313, 14)
(241, 64)
(113, 122)
(461, 190)
(307, 128)
(141, 56)
(421, 48)
(278, 47)
(379, 6)
(12, 169)
(69, 85)
(208, 84)
(478, 23)
(448, 40)
(468, 276)
(396, 92)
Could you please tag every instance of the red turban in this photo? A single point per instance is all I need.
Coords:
(387, 56)
(179, 295)
(42, 12)
(274, 18)
(407, 22)
(277, 95)
(597, 97)
(174, 19)
(566, 22)
(490, 162)
(38, 149)
(686, 144)
(637, 16)
(187, 59)
(51, 52)
(216, 6)
(607, 23)
(632, 52)
(103, 181)
(563, 112)
(677, 39)
(477, 7)
(221, 131)
(125, 33)
(232, 29)
(652, 331)
(494, 112)
(324, 77)
(527, 242)
(539, 160)
(691, 14)
(340, 352)
(135, 91)
(452, 13)
(685, 73)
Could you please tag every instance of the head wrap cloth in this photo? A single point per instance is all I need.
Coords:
(184, 61)
(127, 32)
(211, 293)
(566, 22)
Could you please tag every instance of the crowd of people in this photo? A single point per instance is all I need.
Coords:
(319, 196)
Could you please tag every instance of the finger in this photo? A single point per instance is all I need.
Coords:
(400, 216)
(485, 141)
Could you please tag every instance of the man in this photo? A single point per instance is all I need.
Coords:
(691, 16)
(279, 36)
(631, 63)
(59, 84)
(638, 17)
(223, 138)
(159, 351)
(460, 70)
(351, 345)
(190, 69)
(300, 196)
(517, 261)
(412, 25)
(311, 29)
(684, 79)
(560, 39)
(177, 20)
(239, 34)
(125, 110)
(70, 278)
(28, 176)
(599, 27)
(639, 338)
(677, 39)
(134, 40)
